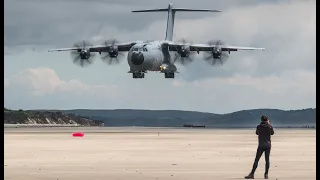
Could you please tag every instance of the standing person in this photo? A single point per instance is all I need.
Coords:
(264, 131)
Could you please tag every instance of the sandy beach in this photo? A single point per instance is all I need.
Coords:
(153, 153)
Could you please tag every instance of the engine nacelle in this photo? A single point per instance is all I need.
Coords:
(113, 51)
(84, 54)
(184, 51)
(216, 53)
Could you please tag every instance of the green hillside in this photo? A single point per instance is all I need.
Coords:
(175, 118)
(43, 117)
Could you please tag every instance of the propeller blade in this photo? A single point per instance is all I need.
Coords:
(183, 60)
(214, 61)
(75, 59)
(176, 56)
(189, 59)
(111, 42)
(110, 61)
(216, 54)
(208, 57)
(106, 56)
(82, 45)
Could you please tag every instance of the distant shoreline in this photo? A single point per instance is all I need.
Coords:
(168, 127)
(305, 118)
(40, 125)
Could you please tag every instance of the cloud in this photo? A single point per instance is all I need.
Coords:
(289, 45)
(294, 90)
(273, 25)
(178, 83)
(72, 21)
(45, 81)
(283, 76)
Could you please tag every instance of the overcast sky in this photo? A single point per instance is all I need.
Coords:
(283, 76)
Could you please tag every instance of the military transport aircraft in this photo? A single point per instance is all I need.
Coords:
(150, 55)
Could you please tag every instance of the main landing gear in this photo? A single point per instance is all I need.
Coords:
(139, 75)
(169, 75)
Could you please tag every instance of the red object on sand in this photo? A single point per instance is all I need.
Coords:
(78, 134)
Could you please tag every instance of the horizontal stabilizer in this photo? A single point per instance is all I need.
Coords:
(152, 10)
(195, 10)
(177, 9)
(171, 14)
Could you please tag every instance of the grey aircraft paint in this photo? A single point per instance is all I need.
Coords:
(152, 55)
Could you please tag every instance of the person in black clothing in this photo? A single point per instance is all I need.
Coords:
(264, 131)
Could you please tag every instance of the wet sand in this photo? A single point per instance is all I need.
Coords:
(143, 154)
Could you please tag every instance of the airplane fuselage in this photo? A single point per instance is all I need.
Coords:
(148, 56)
(144, 56)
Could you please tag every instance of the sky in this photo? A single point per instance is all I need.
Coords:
(281, 77)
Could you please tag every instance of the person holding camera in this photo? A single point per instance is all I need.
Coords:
(264, 131)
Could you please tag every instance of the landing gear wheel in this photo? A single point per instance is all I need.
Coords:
(169, 75)
(139, 75)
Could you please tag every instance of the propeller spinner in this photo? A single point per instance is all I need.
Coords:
(216, 56)
(113, 52)
(183, 54)
(82, 56)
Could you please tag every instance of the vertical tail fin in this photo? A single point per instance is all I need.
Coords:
(171, 15)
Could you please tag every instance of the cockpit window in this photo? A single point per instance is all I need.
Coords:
(140, 49)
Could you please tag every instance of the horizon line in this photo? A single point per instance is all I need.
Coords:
(162, 110)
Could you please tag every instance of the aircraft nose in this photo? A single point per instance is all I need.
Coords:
(137, 58)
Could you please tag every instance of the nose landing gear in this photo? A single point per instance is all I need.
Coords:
(139, 75)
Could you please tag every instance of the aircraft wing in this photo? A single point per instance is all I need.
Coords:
(99, 48)
(173, 46)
